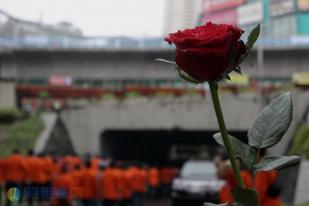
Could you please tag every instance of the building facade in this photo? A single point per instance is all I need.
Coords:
(180, 14)
(278, 18)
(18, 28)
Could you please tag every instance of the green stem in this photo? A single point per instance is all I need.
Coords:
(226, 140)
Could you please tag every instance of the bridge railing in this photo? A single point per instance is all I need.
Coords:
(114, 43)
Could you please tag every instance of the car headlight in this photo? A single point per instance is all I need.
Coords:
(177, 184)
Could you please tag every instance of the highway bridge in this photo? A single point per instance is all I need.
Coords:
(92, 125)
(135, 64)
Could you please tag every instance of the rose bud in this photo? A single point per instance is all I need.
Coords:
(208, 52)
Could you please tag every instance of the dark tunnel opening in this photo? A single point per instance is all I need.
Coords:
(157, 147)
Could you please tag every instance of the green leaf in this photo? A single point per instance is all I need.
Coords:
(276, 162)
(253, 36)
(226, 204)
(242, 150)
(186, 77)
(271, 123)
(212, 204)
(245, 197)
(165, 61)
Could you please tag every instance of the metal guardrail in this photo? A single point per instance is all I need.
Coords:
(44, 42)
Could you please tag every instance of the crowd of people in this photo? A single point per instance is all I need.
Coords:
(92, 181)
(71, 180)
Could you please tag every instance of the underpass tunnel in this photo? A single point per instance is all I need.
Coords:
(157, 147)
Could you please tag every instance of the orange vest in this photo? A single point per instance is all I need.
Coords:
(153, 177)
(76, 176)
(140, 181)
(48, 168)
(95, 163)
(40, 174)
(88, 182)
(62, 182)
(225, 194)
(109, 183)
(32, 166)
(127, 184)
(15, 169)
(124, 183)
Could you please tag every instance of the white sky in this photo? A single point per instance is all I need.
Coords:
(95, 17)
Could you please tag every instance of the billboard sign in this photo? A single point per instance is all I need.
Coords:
(303, 5)
(58, 80)
(223, 17)
(250, 13)
(281, 7)
(211, 6)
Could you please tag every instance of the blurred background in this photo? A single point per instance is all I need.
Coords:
(80, 77)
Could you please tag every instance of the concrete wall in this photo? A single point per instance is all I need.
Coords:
(133, 64)
(86, 125)
(7, 94)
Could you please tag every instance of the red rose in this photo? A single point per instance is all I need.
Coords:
(207, 52)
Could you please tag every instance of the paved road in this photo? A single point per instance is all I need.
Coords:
(159, 202)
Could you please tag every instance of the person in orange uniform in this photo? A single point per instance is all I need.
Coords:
(32, 168)
(127, 187)
(153, 181)
(15, 172)
(119, 182)
(225, 172)
(110, 186)
(76, 176)
(140, 185)
(167, 174)
(266, 187)
(88, 182)
(124, 185)
(99, 182)
(61, 187)
(95, 162)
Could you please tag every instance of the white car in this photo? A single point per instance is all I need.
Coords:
(197, 183)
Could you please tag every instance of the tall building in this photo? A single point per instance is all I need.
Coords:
(279, 19)
(181, 14)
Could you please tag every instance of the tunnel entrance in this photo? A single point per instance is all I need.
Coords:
(160, 146)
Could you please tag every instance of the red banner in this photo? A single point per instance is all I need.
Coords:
(223, 17)
(211, 6)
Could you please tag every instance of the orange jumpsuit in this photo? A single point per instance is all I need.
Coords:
(153, 177)
(225, 194)
(127, 191)
(95, 162)
(262, 182)
(110, 187)
(141, 181)
(32, 167)
(88, 182)
(15, 169)
(62, 185)
(48, 168)
(167, 175)
(39, 172)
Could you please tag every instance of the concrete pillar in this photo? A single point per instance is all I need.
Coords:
(7, 94)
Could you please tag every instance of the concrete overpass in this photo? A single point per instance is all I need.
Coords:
(135, 64)
(86, 127)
